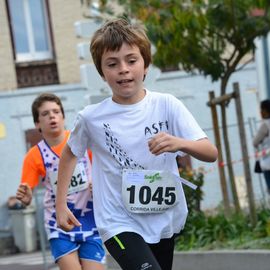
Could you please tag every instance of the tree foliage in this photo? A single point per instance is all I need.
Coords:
(211, 37)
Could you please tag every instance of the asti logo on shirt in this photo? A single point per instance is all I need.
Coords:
(155, 128)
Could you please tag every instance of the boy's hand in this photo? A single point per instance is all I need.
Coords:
(24, 194)
(163, 142)
(91, 189)
(65, 219)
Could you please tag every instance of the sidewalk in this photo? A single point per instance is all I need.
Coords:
(27, 261)
(35, 261)
(203, 260)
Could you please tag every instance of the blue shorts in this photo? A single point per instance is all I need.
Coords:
(90, 249)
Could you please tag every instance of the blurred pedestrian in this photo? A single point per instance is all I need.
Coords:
(261, 141)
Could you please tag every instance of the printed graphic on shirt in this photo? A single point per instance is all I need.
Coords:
(155, 128)
(145, 266)
(118, 153)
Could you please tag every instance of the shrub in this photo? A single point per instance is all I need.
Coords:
(215, 231)
(193, 197)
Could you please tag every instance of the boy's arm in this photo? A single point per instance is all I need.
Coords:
(260, 135)
(65, 219)
(202, 149)
(32, 170)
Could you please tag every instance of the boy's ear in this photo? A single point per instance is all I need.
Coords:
(37, 126)
(146, 70)
(145, 73)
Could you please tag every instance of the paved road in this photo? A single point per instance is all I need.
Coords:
(27, 261)
(35, 261)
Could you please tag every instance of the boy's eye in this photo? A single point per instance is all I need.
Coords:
(111, 64)
(44, 113)
(132, 61)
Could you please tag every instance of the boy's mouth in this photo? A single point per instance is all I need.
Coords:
(53, 124)
(124, 81)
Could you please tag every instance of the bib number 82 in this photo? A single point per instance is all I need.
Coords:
(75, 181)
(160, 195)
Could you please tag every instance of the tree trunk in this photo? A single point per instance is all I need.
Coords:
(242, 134)
(228, 157)
(224, 82)
(221, 170)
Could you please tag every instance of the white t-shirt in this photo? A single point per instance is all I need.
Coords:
(262, 140)
(117, 135)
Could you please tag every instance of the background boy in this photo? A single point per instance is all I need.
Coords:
(80, 248)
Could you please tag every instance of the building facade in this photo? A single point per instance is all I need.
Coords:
(38, 43)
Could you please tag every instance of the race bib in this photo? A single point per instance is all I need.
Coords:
(149, 191)
(79, 180)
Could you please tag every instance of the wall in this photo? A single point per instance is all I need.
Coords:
(63, 15)
(7, 75)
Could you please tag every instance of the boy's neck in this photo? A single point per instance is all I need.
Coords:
(131, 100)
(53, 141)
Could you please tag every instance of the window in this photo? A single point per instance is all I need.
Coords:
(30, 30)
(32, 43)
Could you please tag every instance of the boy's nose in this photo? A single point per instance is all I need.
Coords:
(123, 68)
(51, 114)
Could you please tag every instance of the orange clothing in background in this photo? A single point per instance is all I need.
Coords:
(33, 166)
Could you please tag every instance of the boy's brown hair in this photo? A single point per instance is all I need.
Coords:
(40, 99)
(112, 35)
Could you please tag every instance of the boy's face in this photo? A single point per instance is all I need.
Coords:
(124, 72)
(264, 114)
(51, 120)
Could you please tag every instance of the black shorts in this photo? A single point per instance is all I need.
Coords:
(133, 253)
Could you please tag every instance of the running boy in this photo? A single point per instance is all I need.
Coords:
(80, 248)
(135, 137)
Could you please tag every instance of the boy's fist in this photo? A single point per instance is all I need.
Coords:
(24, 194)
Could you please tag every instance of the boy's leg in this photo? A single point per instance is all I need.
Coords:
(70, 261)
(267, 180)
(88, 265)
(65, 254)
(92, 254)
(131, 252)
(163, 252)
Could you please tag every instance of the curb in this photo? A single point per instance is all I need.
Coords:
(213, 260)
